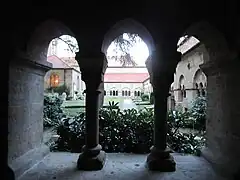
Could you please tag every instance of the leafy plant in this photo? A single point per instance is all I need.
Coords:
(145, 97)
(52, 111)
(198, 113)
(59, 89)
(126, 131)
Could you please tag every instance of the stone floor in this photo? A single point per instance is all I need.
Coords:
(62, 166)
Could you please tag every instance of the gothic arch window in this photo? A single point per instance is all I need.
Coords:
(135, 93)
(200, 83)
(184, 92)
(181, 90)
(196, 86)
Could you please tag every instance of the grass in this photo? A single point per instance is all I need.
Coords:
(77, 106)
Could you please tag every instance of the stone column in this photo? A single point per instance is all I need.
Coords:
(161, 70)
(25, 112)
(93, 69)
(223, 125)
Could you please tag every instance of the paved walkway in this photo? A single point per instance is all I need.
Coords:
(62, 166)
(127, 104)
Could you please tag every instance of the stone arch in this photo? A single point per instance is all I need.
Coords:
(199, 77)
(44, 33)
(181, 81)
(181, 91)
(214, 41)
(128, 26)
(199, 82)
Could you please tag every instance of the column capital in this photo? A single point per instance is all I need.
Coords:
(22, 59)
(161, 67)
(92, 68)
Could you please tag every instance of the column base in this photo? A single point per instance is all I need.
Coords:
(91, 159)
(159, 160)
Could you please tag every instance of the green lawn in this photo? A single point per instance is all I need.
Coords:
(72, 107)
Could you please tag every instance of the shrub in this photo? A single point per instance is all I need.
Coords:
(125, 131)
(145, 97)
(52, 111)
(197, 113)
(59, 89)
(182, 142)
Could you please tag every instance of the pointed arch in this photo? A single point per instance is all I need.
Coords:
(128, 26)
(45, 32)
(214, 41)
(199, 77)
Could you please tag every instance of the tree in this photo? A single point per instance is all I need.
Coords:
(73, 46)
(122, 44)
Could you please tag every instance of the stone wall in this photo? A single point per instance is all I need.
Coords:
(223, 135)
(187, 68)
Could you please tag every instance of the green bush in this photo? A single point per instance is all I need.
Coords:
(59, 89)
(125, 131)
(52, 111)
(198, 113)
(182, 142)
(145, 97)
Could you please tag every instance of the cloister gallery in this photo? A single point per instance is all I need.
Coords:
(160, 25)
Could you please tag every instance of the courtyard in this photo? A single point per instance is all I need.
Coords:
(76, 106)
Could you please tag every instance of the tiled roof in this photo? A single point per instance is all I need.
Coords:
(57, 62)
(71, 61)
(125, 77)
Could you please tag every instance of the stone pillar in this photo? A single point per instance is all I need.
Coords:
(223, 125)
(93, 69)
(161, 70)
(25, 112)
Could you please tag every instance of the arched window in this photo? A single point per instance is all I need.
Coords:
(129, 93)
(181, 92)
(116, 93)
(110, 93)
(138, 93)
(196, 86)
(126, 93)
(184, 92)
(135, 93)
(122, 93)
(200, 83)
